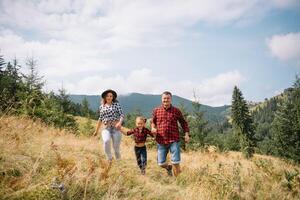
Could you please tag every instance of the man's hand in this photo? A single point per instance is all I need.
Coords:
(186, 137)
(153, 130)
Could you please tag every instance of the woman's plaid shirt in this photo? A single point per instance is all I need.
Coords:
(165, 121)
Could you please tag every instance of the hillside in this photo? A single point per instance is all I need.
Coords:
(146, 103)
(40, 162)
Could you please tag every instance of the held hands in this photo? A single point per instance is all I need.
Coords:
(153, 130)
(118, 125)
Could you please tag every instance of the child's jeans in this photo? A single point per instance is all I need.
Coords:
(141, 156)
(113, 134)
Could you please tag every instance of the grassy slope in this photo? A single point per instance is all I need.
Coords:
(32, 155)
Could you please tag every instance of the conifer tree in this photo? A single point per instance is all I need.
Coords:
(198, 126)
(242, 123)
(286, 126)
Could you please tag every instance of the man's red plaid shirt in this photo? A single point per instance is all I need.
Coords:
(165, 121)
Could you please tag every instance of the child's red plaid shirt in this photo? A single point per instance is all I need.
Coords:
(140, 137)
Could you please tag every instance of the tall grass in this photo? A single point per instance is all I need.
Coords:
(41, 162)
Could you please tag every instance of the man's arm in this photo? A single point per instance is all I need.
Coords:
(153, 122)
(184, 125)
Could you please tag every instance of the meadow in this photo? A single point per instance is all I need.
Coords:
(41, 162)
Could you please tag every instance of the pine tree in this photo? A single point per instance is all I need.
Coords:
(242, 123)
(85, 107)
(32, 97)
(11, 83)
(286, 126)
(33, 80)
(64, 100)
(198, 126)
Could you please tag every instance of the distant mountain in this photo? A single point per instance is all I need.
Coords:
(146, 102)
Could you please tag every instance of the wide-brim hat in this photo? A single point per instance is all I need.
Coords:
(109, 91)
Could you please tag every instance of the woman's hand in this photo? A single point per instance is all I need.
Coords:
(95, 133)
(118, 125)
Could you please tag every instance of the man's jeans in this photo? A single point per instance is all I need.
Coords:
(163, 150)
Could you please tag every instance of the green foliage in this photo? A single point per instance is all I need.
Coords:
(130, 118)
(242, 123)
(198, 127)
(10, 86)
(263, 117)
(22, 94)
(286, 126)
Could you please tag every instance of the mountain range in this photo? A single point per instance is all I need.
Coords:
(146, 102)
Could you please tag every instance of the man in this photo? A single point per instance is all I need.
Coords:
(164, 123)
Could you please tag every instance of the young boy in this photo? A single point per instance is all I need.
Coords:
(140, 134)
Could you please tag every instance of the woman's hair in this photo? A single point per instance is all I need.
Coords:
(103, 100)
(141, 118)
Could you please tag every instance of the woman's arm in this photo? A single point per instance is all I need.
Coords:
(97, 127)
(125, 130)
(120, 111)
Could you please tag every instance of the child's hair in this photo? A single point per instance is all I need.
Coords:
(141, 118)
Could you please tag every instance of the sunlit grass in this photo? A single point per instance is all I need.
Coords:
(41, 162)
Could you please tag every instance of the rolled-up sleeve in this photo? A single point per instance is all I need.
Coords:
(154, 118)
(183, 122)
(119, 110)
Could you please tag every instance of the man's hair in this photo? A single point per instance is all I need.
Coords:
(167, 93)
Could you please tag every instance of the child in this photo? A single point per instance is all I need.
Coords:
(140, 135)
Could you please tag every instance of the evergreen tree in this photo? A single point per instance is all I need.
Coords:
(64, 100)
(11, 83)
(33, 81)
(85, 107)
(286, 126)
(32, 96)
(198, 126)
(242, 123)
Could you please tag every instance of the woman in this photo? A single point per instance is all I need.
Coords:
(111, 117)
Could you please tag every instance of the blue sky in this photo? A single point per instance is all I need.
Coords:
(195, 46)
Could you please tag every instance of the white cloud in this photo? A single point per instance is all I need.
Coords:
(56, 58)
(285, 47)
(110, 25)
(73, 38)
(214, 91)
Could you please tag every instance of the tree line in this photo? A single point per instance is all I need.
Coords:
(273, 128)
(22, 94)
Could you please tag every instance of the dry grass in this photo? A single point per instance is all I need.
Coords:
(40, 162)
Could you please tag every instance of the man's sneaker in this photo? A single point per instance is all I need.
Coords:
(143, 171)
(169, 170)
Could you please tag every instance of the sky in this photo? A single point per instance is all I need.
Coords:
(193, 48)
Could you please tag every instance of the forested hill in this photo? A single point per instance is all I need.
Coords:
(146, 102)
